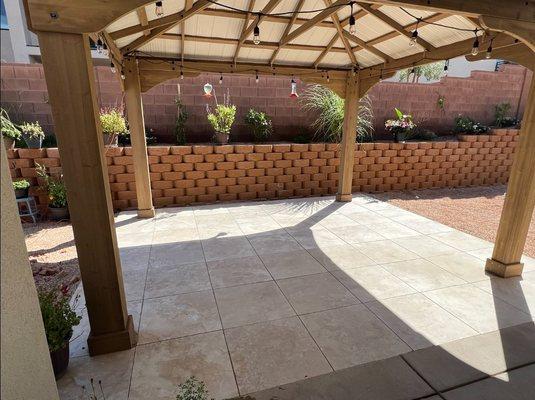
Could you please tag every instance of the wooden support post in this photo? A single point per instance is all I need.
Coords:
(347, 147)
(134, 109)
(519, 201)
(70, 80)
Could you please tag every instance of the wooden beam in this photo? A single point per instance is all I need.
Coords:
(161, 29)
(143, 20)
(325, 51)
(519, 201)
(115, 55)
(136, 123)
(347, 146)
(522, 30)
(244, 29)
(518, 53)
(187, 6)
(287, 30)
(70, 79)
(395, 25)
(315, 20)
(340, 30)
(365, 46)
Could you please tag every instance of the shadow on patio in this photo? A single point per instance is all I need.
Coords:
(330, 300)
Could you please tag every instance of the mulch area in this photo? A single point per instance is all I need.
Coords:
(474, 210)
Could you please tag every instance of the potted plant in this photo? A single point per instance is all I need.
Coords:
(10, 131)
(33, 134)
(58, 319)
(57, 194)
(260, 124)
(222, 119)
(113, 125)
(21, 188)
(401, 127)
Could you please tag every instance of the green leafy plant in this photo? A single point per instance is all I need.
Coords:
(501, 119)
(441, 101)
(58, 318)
(222, 117)
(180, 123)
(467, 125)
(330, 109)
(32, 130)
(260, 124)
(431, 72)
(55, 187)
(21, 184)
(402, 127)
(113, 122)
(9, 129)
(192, 389)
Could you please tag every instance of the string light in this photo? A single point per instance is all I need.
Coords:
(475, 46)
(328, 78)
(221, 79)
(105, 49)
(99, 46)
(446, 65)
(414, 36)
(181, 73)
(256, 33)
(123, 77)
(112, 68)
(489, 50)
(352, 28)
(256, 78)
(293, 93)
(158, 10)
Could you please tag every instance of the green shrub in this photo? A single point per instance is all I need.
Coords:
(33, 130)
(58, 318)
(180, 123)
(222, 117)
(501, 119)
(21, 184)
(8, 128)
(192, 389)
(113, 122)
(260, 124)
(469, 126)
(330, 109)
(421, 134)
(55, 187)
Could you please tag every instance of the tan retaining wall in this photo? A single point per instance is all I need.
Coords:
(183, 175)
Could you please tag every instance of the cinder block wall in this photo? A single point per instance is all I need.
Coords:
(23, 90)
(182, 175)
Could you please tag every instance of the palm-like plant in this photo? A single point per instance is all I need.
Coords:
(330, 109)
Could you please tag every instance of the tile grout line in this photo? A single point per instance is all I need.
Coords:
(437, 392)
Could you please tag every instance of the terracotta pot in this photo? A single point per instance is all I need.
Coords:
(58, 213)
(21, 193)
(221, 138)
(111, 139)
(9, 143)
(60, 360)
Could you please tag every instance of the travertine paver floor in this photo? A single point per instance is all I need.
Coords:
(249, 296)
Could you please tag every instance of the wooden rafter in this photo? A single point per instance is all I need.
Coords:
(143, 20)
(394, 25)
(340, 30)
(326, 50)
(244, 29)
(314, 21)
(161, 29)
(287, 29)
(187, 6)
(365, 46)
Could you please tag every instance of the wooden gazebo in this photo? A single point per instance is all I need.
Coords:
(346, 45)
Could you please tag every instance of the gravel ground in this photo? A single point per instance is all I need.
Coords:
(474, 210)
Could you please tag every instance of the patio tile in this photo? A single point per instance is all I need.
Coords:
(461, 264)
(477, 308)
(461, 240)
(316, 238)
(420, 322)
(516, 291)
(393, 230)
(175, 235)
(135, 257)
(129, 239)
(160, 367)
(134, 283)
(316, 293)
(289, 265)
(176, 254)
(222, 248)
(483, 254)
(385, 251)
(273, 353)
(335, 220)
(268, 243)
(368, 218)
(335, 258)
(372, 283)
(357, 234)
(425, 246)
(171, 280)
(257, 224)
(174, 221)
(352, 335)
(422, 275)
(237, 271)
(247, 304)
(175, 316)
(114, 370)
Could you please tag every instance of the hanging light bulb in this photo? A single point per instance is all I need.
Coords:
(256, 78)
(489, 50)
(475, 46)
(99, 46)
(181, 73)
(159, 8)
(112, 68)
(381, 76)
(256, 34)
(328, 78)
(207, 90)
(414, 36)
(105, 49)
(293, 93)
(352, 28)
(446, 65)
(123, 77)
(221, 79)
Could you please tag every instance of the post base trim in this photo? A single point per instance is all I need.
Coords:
(112, 342)
(503, 270)
(344, 197)
(146, 213)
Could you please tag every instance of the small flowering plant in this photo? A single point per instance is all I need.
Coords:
(401, 127)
